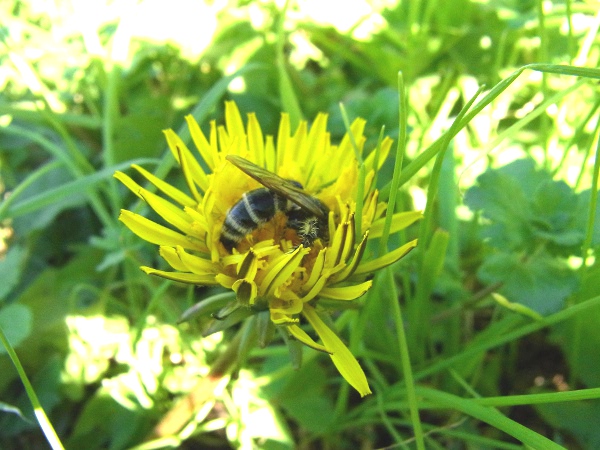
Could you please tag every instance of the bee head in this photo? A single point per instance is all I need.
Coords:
(307, 226)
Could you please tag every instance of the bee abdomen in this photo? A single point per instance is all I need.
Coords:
(252, 210)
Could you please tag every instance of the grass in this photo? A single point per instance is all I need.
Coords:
(485, 336)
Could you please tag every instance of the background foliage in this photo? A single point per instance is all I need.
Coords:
(500, 302)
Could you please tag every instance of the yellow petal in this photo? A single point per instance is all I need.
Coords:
(317, 136)
(199, 224)
(318, 286)
(166, 188)
(168, 211)
(190, 278)
(128, 182)
(248, 266)
(356, 130)
(246, 291)
(351, 267)
(225, 280)
(281, 270)
(185, 157)
(346, 292)
(256, 142)
(385, 260)
(155, 233)
(235, 125)
(344, 360)
(204, 148)
(283, 139)
(386, 145)
(188, 174)
(270, 156)
(315, 273)
(290, 304)
(399, 222)
(282, 319)
(369, 211)
(170, 255)
(349, 240)
(301, 335)
(293, 147)
(196, 264)
(230, 260)
(336, 245)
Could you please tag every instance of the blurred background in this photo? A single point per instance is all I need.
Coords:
(87, 86)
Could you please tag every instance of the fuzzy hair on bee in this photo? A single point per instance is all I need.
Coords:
(306, 215)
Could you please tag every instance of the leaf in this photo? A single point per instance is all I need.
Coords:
(554, 207)
(11, 269)
(526, 207)
(50, 298)
(579, 336)
(15, 320)
(583, 207)
(6, 408)
(106, 423)
(580, 419)
(42, 200)
(502, 198)
(302, 394)
(542, 283)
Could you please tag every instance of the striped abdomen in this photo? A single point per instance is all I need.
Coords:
(252, 210)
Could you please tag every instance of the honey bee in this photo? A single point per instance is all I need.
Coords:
(306, 215)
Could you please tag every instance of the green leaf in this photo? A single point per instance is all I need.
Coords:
(501, 196)
(15, 320)
(542, 283)
(303, 396)
(6, 408)
(579, 337)
(11, 269)
(46, 187)
(580, 419)
(583, 207)
(105, 423)
(526, 207)
(50, 299)
(554, 207)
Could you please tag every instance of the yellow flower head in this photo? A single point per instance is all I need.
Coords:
(240, 227)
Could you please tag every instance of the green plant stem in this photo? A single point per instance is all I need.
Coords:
(405, 359)
(498, 341)
(491, 416)
(400, 151)
(39, 412)
(59, 153)
(286, 90)
(593, 206)
(424, 157)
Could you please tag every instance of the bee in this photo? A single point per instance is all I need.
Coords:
(306, 215)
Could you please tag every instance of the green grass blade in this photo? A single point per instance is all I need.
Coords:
(490, 416)
(39, 412)
(289, 100)
(405, 359)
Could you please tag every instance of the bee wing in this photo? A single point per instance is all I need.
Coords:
(279, 185)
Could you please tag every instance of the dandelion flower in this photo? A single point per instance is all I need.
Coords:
(275, 267)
